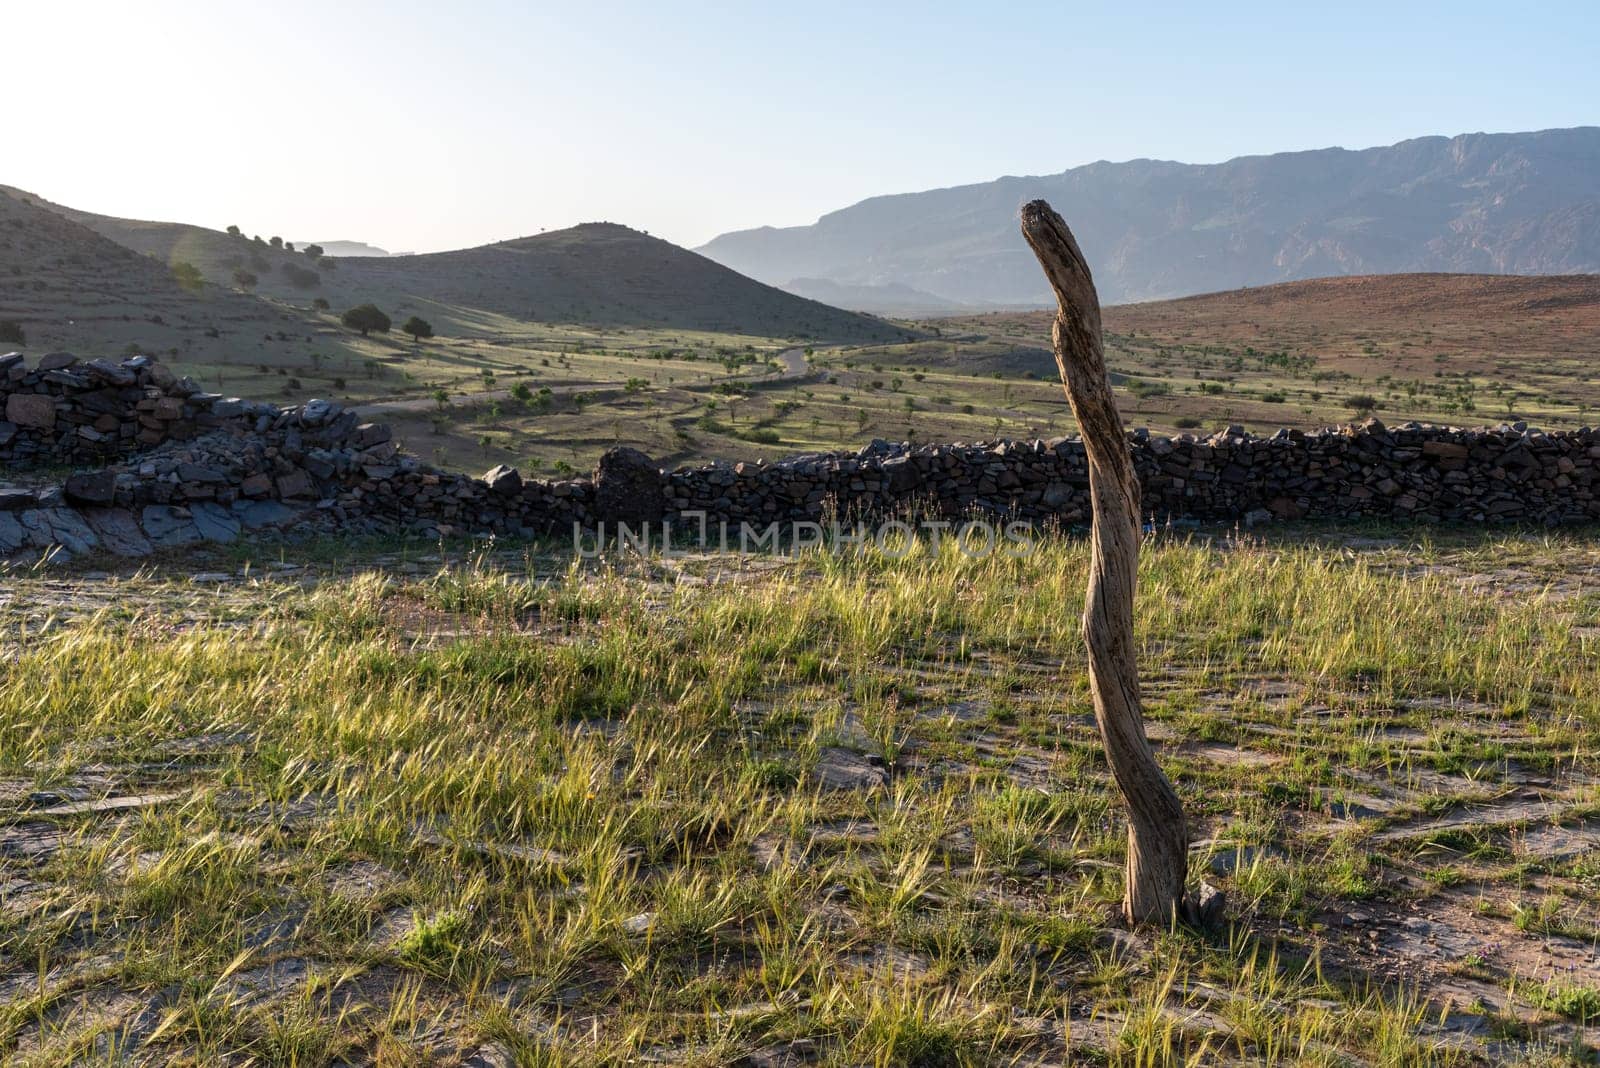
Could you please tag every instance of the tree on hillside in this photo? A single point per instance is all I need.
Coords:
(234, 231)
(275, 241)
(1362, 404)
(314, 251)
(303, 277)
(11, 332)
(321, 304)
(366, 318)
(288, 246)
(244, 279)
(188, 275)
(418, 328)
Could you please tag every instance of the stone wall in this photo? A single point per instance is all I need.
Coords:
(65, 412)
(1413, 472)
(163, 464)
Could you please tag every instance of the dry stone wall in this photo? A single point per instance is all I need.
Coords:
(161, 463)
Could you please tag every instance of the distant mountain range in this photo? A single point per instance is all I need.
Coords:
(350, 248)
(1517, 203)
(596, 273)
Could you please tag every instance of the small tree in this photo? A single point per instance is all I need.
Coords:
(275, 241)
(321, 304)
(366, 318)
(234, 231)
(188, 275)
(244, 279)
(1361, 403)
(11, 332)
(303, 277)
(418, 328)
(314, 251)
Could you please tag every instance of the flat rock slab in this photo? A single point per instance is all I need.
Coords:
(490, 1055)
(257, 515)
(64, 527)
(34, 842)
(118, 531)
(167, 527)
(12, 536)
(215, 523)
(1229, 755)
(105, 804)
(268, 983)
(1497, 815)
(846, 769)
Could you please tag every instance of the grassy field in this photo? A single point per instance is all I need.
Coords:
(839, 810)
(1461, 349)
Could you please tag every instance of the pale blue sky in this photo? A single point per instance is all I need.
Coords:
(436, 125)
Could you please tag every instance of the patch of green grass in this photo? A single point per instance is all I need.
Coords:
(583, 810)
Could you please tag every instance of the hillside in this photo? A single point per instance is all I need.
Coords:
(1466, 349)
(602, 273)
(894, 299)
(71, 287)
(1462, 316)
(217, 255)
(597, 273)
(1521, 203)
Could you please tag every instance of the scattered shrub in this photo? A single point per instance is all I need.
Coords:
(301, 277)
(188, 275)
(366, 318)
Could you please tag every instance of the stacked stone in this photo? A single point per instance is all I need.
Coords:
(63, 411)
(1412, 472)
(196, 466)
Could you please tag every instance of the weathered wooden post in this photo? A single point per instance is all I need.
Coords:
(1158, 840)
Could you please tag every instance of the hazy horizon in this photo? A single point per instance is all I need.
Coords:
(409, 128)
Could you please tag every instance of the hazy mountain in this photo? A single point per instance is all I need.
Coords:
(598, 273)
(1522, 203)
(348, 248)
(894, 299)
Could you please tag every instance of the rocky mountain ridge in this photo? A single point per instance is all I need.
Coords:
(1509, 203)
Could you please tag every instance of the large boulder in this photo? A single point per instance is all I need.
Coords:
(628, 487)
(35, 410)
(503, 480)
(92, 487)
